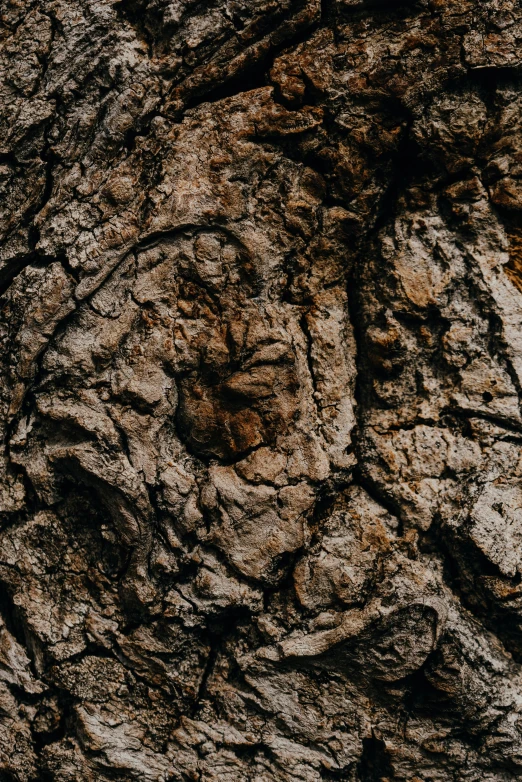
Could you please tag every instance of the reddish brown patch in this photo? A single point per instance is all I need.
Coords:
(513, 269)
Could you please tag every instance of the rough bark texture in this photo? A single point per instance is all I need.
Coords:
(260, 390)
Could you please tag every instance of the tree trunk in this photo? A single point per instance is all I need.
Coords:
(261, 384)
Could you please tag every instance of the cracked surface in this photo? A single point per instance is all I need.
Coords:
(260, 391)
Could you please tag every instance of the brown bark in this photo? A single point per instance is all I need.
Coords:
(260, 397)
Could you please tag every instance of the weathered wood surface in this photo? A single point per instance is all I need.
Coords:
(260, 390)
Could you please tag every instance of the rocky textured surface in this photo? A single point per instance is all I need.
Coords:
(260, 395)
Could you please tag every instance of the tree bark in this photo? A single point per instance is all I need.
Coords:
(260, 396)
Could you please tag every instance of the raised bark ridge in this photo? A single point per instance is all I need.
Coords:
(260, 397)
